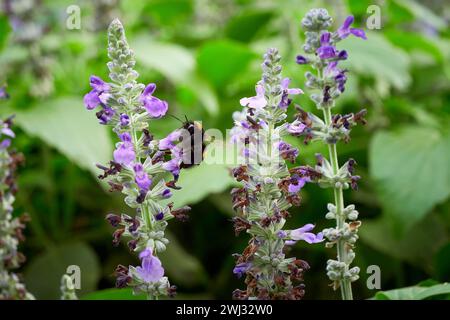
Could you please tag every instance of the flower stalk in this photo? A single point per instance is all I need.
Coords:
(268, 190)
(11, 229)
(328, 83)
(141, 167)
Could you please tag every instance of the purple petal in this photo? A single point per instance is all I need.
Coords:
(358, 33)
(348, 22)
(91, 100)
(8, 132)
(155, 107)
(98, 84)
(285, 83)
(124, 154)
(149, 89)
(294, 91)
(5, 144)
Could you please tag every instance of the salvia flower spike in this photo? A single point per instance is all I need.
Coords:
(328, 83)
(11, 228)
(140, 163)
(268, 190)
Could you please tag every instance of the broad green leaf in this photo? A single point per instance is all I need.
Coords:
(43, 273)
(378, 58)
(178, 65)
(171, 60)
(411, 170)
(245, 26)
(181, 267)
(415, 42)
(417, 246)
(441, 265)
(4, 30)
(222, 60)
(127, 294)
(414, 293)
(207, 178)
(421, 12)
(169, 12)
(66, 125)
(113, 294)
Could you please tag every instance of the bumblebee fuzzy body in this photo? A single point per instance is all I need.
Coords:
(194, 148)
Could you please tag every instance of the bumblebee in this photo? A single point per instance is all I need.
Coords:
(194, 147)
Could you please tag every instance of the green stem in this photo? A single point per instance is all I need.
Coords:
(345, 285)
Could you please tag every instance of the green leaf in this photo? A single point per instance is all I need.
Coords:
(173, 61)
(222, 60)
(181, 267)
(169, 12)
(378, 58)
(43, 274)
(113, 294)
(415, 42)
(127, 294)
(178, 65)
(442, 263)
(200, 181)
(411, 171)
(4, 30)
(413, 293)
(245, 26)
(66, 125)
(421, 12)
(417, 246)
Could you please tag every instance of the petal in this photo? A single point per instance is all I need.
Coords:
(297, 233)
(348, 22)
(358, 33)
(259, 90)
(244, 101)
(309, 237)
(257, 102)
(294, 91)
(285, 83)
(294, 188)
(145, 253)
(149, 89)
(91, 100)
(8, 132)
(98, 84)
(155, 107)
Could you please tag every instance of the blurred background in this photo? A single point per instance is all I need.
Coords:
(204, 56)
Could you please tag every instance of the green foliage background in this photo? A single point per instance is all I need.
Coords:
(204, 56)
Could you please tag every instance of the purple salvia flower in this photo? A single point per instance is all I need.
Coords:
(326, 50)
(5, 144)
(259, 101)
(285, 101)
(124, 153)
(3, 93)
(241, 268)
(296, 184)
(168, 143)
(166, 193)
(155, 107)
(98, 95)
(296, 128)
(304, 234)
(151, 270)
(141, 177)
(344, 31)
(159, 216)
(301, 59)
(124, 120)
(173, 166)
